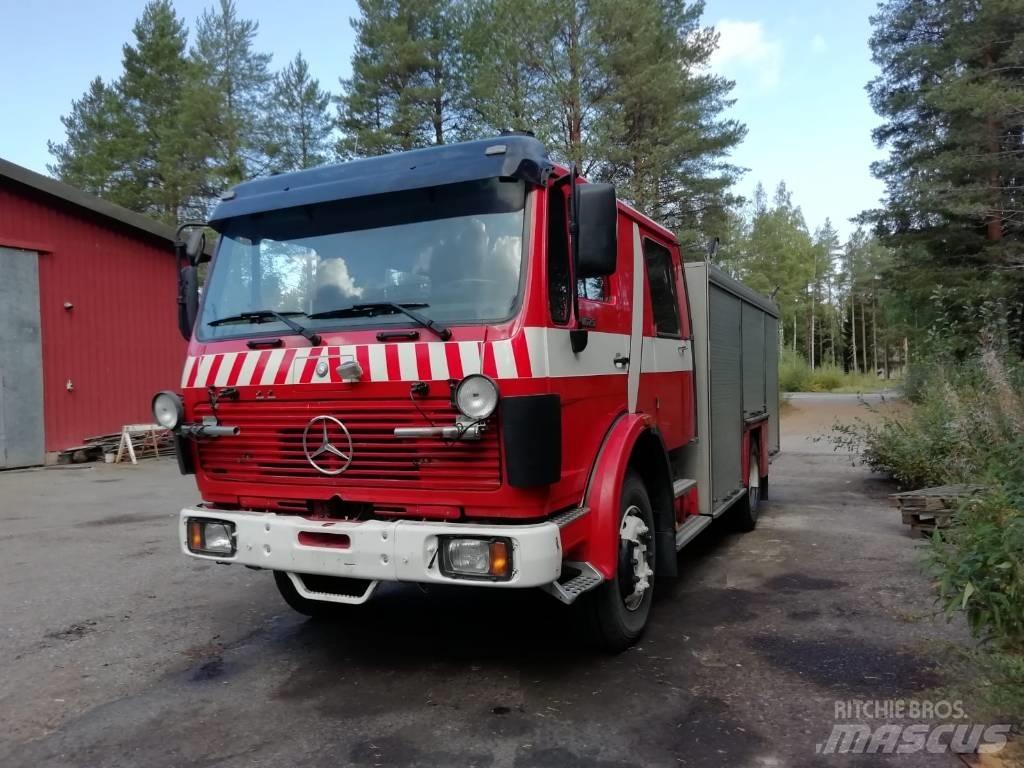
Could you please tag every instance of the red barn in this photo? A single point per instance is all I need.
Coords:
(88, 319)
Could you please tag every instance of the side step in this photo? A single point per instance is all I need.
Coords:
(567, 592)
(343, 590)
(562, 519)
(693, 525)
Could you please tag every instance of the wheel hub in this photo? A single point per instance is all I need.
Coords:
(634, 563)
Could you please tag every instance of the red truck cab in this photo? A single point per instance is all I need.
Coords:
(458, 365)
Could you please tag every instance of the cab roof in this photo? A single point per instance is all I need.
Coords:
(512, 156)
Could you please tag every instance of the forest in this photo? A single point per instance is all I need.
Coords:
(624, 90)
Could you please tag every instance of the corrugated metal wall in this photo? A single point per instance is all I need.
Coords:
(725, 341)
(119, 343)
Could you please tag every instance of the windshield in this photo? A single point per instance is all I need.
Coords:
(455, 252)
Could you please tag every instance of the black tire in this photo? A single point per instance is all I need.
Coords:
(617, 618)
(317, 609)
(744, 513)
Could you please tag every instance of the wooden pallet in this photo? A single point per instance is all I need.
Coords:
(928, 509)
(925, 523)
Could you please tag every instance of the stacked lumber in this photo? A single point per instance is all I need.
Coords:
(152, 442)
(928, 509)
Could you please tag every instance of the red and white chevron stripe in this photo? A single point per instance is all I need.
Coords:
(534, 353)
(410, 361)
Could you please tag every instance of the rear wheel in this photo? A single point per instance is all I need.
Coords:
(744, 514)
(621, 606)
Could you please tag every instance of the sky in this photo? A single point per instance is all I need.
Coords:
(800, 68)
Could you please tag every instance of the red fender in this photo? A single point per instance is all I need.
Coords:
(604, 492)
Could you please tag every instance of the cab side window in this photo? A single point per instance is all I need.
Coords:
(559, 274)
(661, 280)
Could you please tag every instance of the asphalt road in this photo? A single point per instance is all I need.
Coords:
(117, 651)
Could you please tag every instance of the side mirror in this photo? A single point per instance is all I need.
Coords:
(597, 226)
(195, 245)
(188, 300)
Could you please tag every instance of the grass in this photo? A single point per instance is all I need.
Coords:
(795, 375)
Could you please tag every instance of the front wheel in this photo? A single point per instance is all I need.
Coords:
(620, 607)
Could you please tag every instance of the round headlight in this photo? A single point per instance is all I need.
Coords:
(167, 410)
(476, 397)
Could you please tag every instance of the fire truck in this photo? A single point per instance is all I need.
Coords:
(464, 365)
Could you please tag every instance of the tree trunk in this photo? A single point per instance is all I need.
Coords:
(810, 342)
(994, 225)
(853, 332)
(874, 338)
(864, 336)
(831, 323)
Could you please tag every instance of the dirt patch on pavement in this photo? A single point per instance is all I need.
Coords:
(807, 419)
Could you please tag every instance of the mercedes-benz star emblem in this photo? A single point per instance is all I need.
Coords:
(321, 428)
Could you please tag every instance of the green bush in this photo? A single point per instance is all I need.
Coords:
(979, 566)
(963, 417)
(825, 379)
(794, 372)
(795, 375)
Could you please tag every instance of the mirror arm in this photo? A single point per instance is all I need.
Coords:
(578, 336)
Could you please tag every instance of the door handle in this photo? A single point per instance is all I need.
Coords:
(620, 361)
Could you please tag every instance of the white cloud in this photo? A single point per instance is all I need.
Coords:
(818, 44)
(744, 51)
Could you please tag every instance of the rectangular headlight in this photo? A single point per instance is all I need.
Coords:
(210, 537)
(489, 558)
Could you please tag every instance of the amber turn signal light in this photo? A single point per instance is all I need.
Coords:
(499, 559)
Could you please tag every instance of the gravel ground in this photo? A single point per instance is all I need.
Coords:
(117, 651)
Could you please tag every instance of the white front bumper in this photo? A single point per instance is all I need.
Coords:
(396, 550)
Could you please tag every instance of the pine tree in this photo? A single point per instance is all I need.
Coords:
(142, 141)
(663, 137)
(405, 86)
(950, 92)
(239, 77)
(826, 250)
(504, 47)
(779, 258)
(166, 147)
(92, 157)
(300, 124)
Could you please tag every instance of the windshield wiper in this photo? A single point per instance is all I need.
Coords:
(262, 315)
(390, 307)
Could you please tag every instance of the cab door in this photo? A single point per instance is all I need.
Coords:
(591, 382)
(666, 381)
